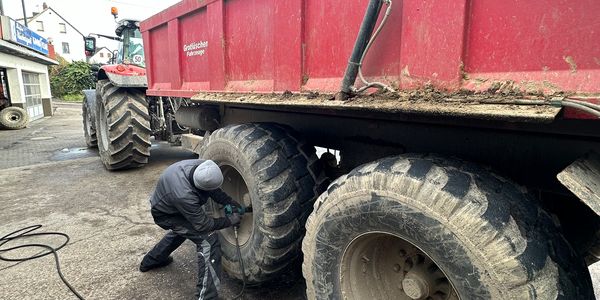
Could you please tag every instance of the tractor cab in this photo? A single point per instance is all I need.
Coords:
(131, 47)
(127, 66)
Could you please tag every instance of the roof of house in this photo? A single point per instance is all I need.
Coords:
(100, 48)
(103, 47)
(30, 19)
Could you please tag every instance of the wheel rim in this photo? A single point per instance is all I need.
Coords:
(235, 186)
(103, 132)
(380, 265)
(14, 117)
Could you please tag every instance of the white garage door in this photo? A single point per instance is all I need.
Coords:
(33, 95)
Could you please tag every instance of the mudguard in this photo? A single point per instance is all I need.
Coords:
(124, 75)
(127, 80)
(583, 179)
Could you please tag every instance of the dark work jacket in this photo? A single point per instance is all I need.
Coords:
(176, 200)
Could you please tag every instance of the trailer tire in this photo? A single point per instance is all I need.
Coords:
(89, 128)
(123, 126)
(269, 168)
(488, 237)
(13, 117)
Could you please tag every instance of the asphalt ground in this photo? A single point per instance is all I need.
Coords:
(49, 177)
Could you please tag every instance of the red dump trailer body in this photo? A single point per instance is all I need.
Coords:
(256, 85)
(304, 45)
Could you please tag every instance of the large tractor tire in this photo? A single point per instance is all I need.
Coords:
(89, 127)
(276, 175)
(13, 117)
(122, 126)
(421, 227)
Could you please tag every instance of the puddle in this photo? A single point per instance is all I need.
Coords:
(73, 153)
(42, 138)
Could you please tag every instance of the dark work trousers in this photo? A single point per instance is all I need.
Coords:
(209, 257)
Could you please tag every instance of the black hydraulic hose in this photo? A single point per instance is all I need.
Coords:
(27, 232)
(367, 84)
(364, 35)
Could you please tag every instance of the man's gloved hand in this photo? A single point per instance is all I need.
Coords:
(234, 219)
(236, 205)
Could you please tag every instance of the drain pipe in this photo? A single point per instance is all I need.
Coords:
(364, 35)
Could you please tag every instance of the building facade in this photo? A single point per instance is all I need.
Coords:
(24, 80)
(67, 40)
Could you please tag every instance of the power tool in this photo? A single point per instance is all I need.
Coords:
(229, 209)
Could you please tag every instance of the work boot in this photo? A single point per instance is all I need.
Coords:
(164, 263)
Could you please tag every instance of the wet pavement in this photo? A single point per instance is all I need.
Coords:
(49, 177)
(44, 140)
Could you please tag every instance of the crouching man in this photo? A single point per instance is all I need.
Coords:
(177, 205)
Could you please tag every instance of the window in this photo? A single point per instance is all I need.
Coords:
(33, 95)
(109, 55)
(40, 25)
(101, 54)
(65, 48)
(63, 27)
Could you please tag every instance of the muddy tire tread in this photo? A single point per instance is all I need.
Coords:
(508, 228)
(291, 178)
(128, 126)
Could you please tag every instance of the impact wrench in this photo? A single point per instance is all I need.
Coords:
(241, 210)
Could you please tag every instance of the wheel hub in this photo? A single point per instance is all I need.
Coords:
(235, 186)
(15, 117)
(383, 266)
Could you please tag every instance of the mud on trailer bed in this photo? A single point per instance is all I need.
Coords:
(467, 167)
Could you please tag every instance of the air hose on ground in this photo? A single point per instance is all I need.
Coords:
(241, 261)
(229, 209)
(26, 232)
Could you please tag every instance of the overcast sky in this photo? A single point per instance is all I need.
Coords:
(91, 16)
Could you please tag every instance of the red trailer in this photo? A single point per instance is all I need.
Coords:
(462, 164)
(302, 45)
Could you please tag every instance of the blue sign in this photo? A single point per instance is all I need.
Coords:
(26, 37)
